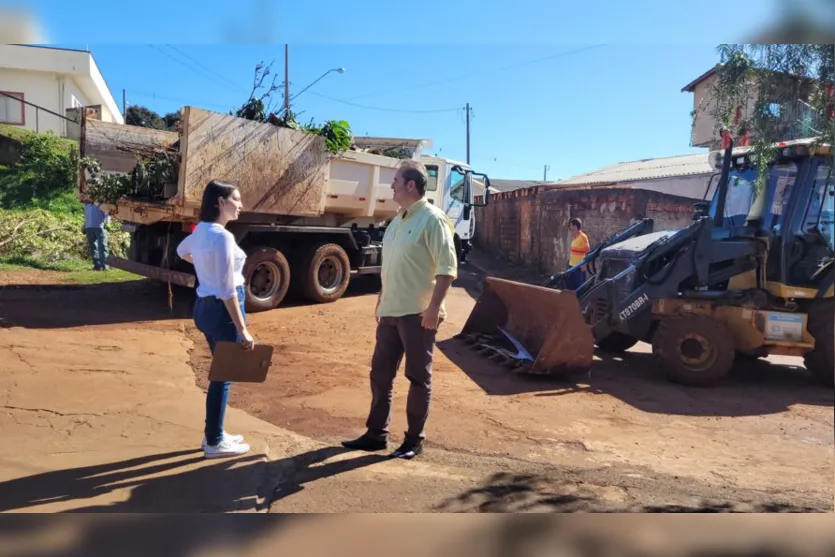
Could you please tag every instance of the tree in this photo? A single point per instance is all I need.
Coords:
(765, 93)
(172, 119)
(140, 116)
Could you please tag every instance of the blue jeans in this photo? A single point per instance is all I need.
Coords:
(213, 320)
(575, 278)
(97, 242)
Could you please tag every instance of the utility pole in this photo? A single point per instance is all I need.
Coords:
(468, 132)
(545, 173)
(286, 80)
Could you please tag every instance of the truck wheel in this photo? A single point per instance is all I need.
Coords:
(693, 350)
(820, 361)
(267, 276)
(616, 343)
(326, 273)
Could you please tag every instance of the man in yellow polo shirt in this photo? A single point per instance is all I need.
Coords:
(419, 265)
(579, 250)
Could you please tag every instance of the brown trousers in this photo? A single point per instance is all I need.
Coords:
(396, 337)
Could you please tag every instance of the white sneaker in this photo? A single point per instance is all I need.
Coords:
(226, 448)
(228, 436)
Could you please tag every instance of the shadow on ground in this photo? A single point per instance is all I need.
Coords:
(753, 388)
(174, 482)
(506, 492)
(56, 306)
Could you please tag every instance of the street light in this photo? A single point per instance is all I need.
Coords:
(337, 70)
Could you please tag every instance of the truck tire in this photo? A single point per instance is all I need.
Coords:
(820, 361)
(693, 350)
(267, 276)
(616, 343)
(326, 273)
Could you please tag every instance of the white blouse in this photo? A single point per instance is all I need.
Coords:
(218, 261)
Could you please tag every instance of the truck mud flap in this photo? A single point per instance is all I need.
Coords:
(165, 275)
(530, 329)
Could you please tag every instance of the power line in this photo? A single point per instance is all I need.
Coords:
(147, 94)
(409, 111)
(192, 68)
(210, 70)
(470, 76)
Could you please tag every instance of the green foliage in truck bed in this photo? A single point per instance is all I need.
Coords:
(145, 182)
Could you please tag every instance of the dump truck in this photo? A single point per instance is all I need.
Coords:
(311, 219)
(752, 275)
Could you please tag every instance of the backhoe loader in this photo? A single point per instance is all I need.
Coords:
(752, 275)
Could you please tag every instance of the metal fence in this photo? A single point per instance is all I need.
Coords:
(39, 111)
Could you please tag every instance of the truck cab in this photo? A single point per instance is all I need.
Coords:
(452, 186)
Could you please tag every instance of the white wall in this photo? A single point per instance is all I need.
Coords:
(40, 89)
(48, 90)
(26, 65)
(704, 103)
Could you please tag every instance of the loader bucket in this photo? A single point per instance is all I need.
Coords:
(530, 329)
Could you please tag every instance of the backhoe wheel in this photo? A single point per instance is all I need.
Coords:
(693, 350)
(820, 362)
(267, 276)
(326, 272)
(616, 343)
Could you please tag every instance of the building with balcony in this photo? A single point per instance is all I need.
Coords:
(793, 119)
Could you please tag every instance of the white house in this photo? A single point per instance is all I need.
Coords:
(51, 80)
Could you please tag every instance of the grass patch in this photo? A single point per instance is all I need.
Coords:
(89, 276)
(22, 134)
(14, 132)
(21, 262)
(70, 272)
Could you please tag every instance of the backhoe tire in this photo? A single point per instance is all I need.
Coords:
(820, 361)
(616, 343)
(267, 276)
(326, 272)
(693, 350)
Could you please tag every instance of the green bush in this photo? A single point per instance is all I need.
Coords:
(54, 240)
(41, 218)
(47, 168)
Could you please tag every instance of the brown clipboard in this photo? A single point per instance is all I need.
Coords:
(232, 362)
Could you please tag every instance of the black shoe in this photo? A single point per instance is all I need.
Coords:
(408, 450)
(366, 443)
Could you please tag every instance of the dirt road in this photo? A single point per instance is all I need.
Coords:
(621, 437)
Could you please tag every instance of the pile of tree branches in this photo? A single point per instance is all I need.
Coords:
(259, 108)
(147, 181)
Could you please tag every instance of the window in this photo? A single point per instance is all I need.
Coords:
(432, 183)
(819, 217)
(12, 110)
(456, 186)
(781, 180)
(739, 198)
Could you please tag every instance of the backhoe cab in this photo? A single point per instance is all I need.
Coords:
(751, 276)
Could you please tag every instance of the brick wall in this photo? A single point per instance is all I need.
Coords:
(531, 226)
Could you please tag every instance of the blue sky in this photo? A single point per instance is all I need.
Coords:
(583, 87)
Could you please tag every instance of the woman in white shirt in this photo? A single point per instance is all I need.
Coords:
(219, 310)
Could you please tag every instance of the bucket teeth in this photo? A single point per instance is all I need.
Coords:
(529, 329)
(522, 368)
